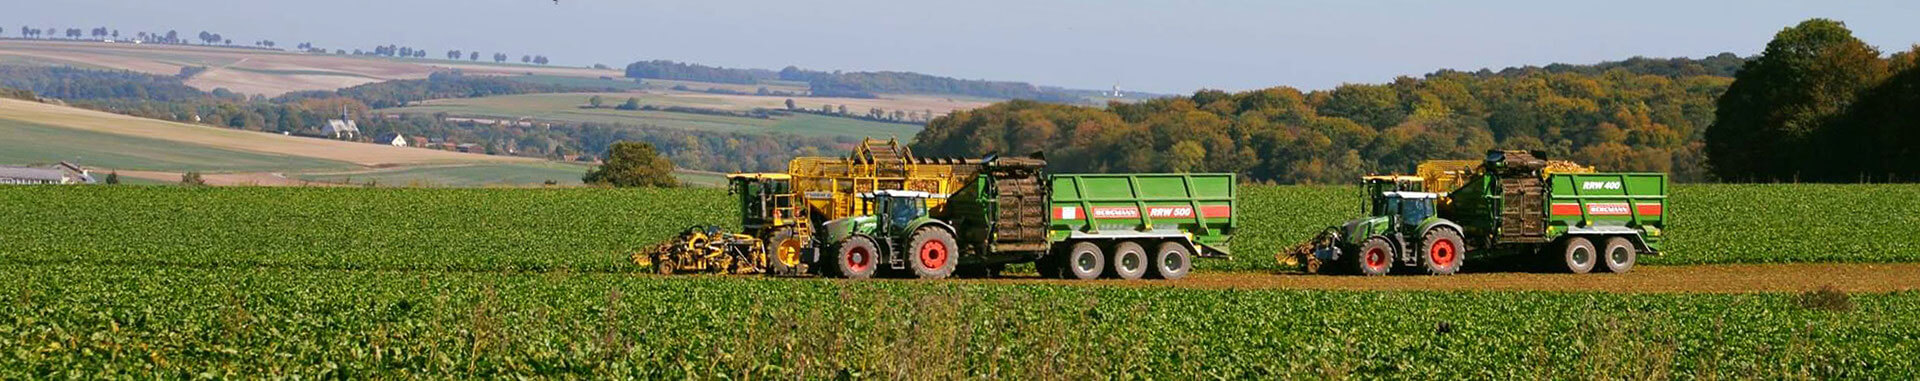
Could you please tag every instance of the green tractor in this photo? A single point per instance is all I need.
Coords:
(900, 234)
(1401, 229)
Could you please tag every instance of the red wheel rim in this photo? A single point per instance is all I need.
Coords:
(858, 259)
(1376, 257)
(933, 254)
(1442, 252)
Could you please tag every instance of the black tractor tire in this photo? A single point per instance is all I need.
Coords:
(1442, 252)
(1578, 256)
(1374, 258)
(1619, 255)
(856, 258)
(1171, 261)
(1129, 261)
(1084, 261)
(932, 253)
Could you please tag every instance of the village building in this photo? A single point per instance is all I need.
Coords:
(342, 128)
(392, 139)
(63, 173)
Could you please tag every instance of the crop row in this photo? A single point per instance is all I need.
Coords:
(591, 229)
(83, 320)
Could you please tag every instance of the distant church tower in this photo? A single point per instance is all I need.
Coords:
(1116, 92)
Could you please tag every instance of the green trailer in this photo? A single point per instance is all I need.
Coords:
(1513, 206)
(1075, 226)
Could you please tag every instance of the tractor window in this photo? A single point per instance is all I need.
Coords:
(902, 211)
(1415, 211)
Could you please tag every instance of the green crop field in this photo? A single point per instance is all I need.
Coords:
(567, 108)
(27, 143)
(474, 175)
(591, 229)
(389, 282)
(79, 320)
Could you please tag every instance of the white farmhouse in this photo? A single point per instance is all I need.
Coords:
(392, 139)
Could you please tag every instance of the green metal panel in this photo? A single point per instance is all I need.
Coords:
(1200, 204)
(1633, 200)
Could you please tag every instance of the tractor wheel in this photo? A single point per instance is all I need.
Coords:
(783, 252)
(1578, 255)
(1619, 255)
(1129, 261)
(1374, 258)
(1442, 252)
(1171, 261)
(1085, 261)
(932, 253)
(856, 258)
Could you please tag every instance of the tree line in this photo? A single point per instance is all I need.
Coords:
(851, 84)
(1820, 105)
(1627, 117)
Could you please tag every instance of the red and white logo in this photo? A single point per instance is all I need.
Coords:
(1111, 212)
(1066, 213)
(1607, 209)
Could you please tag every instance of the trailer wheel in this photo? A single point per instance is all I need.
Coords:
(1442, 253)
(1085, 261)
(931, 253)
(1619, 255)
(1578, 255)
(855, 258)
(1129, 261)
(1171, 261)
(1375, 257)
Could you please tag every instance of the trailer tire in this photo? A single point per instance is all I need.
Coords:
(931, 253)
(1374, 258)
(856, 258)
(1129, 261)
(1619, 255)
(1578, 255)
(1084, 261)
(1442, 252)
(1171, 261)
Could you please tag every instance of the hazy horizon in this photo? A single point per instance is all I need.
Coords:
(1139, 45)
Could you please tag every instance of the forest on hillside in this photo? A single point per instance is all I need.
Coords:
(1817, 105)
(851, 84)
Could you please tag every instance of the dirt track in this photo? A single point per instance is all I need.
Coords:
(1702, 278)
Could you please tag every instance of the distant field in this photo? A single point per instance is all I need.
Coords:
(30, 143)
(230, 139)
(475, 175)
(257, 71)
(566, 108)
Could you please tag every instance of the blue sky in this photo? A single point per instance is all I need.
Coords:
(1161, 46)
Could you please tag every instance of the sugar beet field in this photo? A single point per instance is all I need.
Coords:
(186, 282)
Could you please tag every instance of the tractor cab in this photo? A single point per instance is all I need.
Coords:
(765, 199)
(896, 210)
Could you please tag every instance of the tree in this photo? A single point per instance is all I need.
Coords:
(594, 101)
(1766, 123)
(790, 105)
(113, 178)
(632, 104)
(632, 164)
(475, 56)
(453, 54)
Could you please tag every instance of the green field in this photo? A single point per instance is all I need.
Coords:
(476, 175)
(180, 322)
(567, 108)
(593, 229)
(27, 143)
(358, 282)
